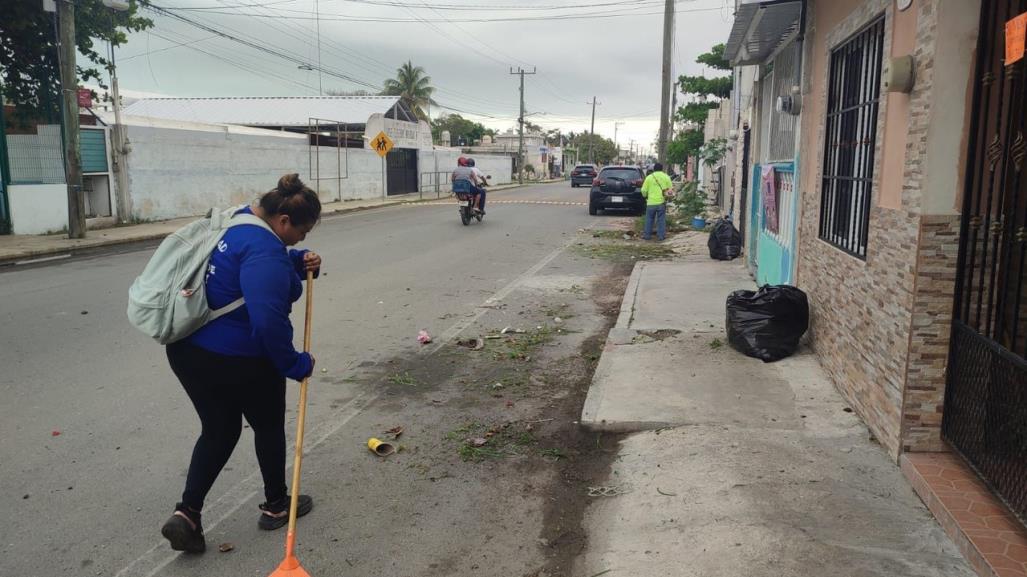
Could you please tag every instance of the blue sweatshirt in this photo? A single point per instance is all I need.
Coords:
(253, 263)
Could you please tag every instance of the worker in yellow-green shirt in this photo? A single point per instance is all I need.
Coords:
(655, 190)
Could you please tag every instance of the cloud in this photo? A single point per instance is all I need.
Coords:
(617, 60)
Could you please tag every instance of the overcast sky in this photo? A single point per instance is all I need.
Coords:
(615, 57)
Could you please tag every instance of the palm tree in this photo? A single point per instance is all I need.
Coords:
(413, 87)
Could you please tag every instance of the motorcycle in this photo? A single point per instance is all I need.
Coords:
(466, 198)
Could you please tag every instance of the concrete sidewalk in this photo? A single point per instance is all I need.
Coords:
(20, 248)
(737, 468)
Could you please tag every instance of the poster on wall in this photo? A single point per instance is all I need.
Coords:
(768, 187)
(1016, 34)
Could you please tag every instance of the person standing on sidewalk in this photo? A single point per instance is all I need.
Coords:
(655, 189)
(235, 366)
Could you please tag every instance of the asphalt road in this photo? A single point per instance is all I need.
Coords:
(96, 431)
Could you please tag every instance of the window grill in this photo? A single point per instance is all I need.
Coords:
(782, 125)
(853, 101)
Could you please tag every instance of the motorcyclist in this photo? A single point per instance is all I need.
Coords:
(463, 178)
(479, 183)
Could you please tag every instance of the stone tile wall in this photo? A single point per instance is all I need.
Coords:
(881, 325)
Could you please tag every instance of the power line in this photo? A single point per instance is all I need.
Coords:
(384, 20)
(263, 47)
(454, 7)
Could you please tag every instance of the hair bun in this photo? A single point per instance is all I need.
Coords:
(290, 184)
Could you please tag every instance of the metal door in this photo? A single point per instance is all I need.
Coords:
(985, 415)
(402, 170)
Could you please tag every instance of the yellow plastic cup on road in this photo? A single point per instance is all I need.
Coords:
(380, 447)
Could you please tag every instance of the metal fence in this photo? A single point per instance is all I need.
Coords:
(329, 134)
(436, 182)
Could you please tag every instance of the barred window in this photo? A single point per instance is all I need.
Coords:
(853, 100)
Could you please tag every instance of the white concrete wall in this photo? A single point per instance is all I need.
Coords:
(38, 208)
(182, 169)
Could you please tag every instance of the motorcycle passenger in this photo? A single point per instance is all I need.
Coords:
(480, 183)
(464, 180)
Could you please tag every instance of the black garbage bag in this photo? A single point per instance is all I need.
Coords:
(768, 323)
(725, 241)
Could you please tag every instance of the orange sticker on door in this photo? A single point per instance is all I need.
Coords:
(1016, 32)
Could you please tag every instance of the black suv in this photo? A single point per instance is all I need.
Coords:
(617, 187)
(583, 174)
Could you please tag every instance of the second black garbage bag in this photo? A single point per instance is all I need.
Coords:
(767, 323)
(725, 241)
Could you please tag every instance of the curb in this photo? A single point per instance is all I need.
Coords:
(88, 245)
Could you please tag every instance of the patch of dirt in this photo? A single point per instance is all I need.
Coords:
(590, 454)
(501, 424)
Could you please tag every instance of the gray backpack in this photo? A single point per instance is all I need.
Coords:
(168, 301)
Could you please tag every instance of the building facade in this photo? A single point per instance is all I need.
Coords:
(911, 213)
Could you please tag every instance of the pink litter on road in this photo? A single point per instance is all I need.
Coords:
(55, 434)
(423, 337)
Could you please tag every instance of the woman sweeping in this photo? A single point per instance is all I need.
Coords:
(235, 367)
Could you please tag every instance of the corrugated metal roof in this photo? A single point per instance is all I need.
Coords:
(264, 111)
(760, 28)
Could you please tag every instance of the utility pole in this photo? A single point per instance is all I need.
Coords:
(616, 146)
(668, 40)
(520, 129)
(69, 92)
(592, 133)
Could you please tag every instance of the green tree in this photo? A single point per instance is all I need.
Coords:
(603, 152)
(714, 58)
(704, 94)
(458, 126)
(340, 92)
(29, 75)
(413, 86)
(686, 144)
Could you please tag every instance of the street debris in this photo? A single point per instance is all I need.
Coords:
(423, 337)
(380, 447)
(478, 442)
(497, 386)
(508, 330)
(666, 494)
(58, 433)
(324, 370)
(225, 547)
(557, 320)
(395, 432)
(475, 344)
(608, 491)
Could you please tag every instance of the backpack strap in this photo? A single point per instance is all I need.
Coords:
(236, 220)
(215, 315)
(245, 218)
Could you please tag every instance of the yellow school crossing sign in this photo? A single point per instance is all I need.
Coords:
(382, 144)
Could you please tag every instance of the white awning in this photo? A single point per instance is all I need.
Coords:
(760, 27)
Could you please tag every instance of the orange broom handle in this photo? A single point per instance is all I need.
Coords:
(300, 421)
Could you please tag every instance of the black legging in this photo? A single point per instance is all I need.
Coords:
(223, 390)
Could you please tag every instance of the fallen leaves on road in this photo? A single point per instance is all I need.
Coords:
(395, 432)
(225, 547)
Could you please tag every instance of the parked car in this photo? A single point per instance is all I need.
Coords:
(583, 174)
(617, 187)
